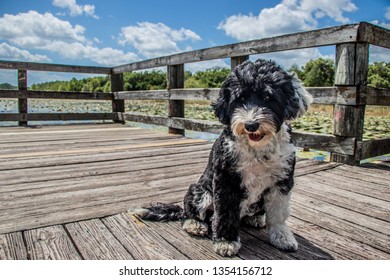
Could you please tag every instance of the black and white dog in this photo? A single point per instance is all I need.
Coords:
(250, 172)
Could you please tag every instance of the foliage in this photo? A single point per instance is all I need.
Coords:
(316, 73)
(7, 86)
(379, 74)
(148, 80)
(211, 78)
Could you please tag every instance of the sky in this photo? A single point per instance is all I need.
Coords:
(111, 33)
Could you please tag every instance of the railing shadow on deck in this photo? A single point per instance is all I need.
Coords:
(349, 95)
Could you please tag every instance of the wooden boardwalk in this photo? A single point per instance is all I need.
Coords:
(65, 192)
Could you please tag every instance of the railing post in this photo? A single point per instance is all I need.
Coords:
(23, 101)
(348, 120)
(176, 107)
(118, 106)
(235, 60)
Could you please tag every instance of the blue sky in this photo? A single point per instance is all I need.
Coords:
(109, 33)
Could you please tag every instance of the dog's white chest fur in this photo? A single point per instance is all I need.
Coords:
(263, 168)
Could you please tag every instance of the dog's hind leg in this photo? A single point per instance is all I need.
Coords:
(277, 207)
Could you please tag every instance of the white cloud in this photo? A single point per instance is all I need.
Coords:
(45, 32)
(287, 17)
(379, 54)
(8, 52)
(35, 30)
(102, 56)
(75, 9)
(387, 14)
(155, 39)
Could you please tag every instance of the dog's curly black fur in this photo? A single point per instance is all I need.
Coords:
(250, 170)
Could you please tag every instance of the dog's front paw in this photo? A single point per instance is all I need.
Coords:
(227, 248)
(282, 238)
(195, 227)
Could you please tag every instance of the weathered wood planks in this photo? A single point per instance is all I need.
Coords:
(74, 206)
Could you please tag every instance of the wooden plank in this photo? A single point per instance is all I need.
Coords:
(12, 247)
(375, 96)
(102, 149)
(256, 245)
(56, 173)
(195, 248)
(55, 116)
(41, 94)
(316, 38)
(343, 228)
(142, 95)
(95, 241)
(324, 142)
(143, 242)
(22, 102)
(179, 123)
(374, 34)
(50, 243)
(12, 164)
(194, 94)
(373, 148)
(118, 105)
(176, 107)
(336, 245)
(350, 183)
(314, 187)
(56, 208)
(53, 67)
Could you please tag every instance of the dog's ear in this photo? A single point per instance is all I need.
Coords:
(301, 101)
(221, 105)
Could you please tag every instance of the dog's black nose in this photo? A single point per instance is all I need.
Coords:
(252, 126)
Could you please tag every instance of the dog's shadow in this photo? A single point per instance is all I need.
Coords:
(255, 245)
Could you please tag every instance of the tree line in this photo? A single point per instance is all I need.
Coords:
(316, 73)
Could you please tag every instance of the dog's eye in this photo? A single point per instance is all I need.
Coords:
(266, 98)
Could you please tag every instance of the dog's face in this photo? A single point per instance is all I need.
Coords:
(257, 98)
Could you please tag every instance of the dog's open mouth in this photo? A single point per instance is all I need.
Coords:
(255, 137)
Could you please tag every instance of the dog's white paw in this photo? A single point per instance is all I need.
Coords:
(227, 248)
(195, 227)
(282, 237)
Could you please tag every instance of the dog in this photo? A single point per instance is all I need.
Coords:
(250, 172)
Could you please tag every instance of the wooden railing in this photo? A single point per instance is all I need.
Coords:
(349, 95)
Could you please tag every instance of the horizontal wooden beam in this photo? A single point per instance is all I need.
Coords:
(179, 123)
(54, 67)
(374, 34)
(375, 96)
(324, 142)
(40, 94)
(308, 39)
(142, 95)
(373, 148)
(56, 117)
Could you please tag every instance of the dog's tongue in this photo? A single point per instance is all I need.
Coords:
(255, 137)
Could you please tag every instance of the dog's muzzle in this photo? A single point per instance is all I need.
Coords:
(251, 128)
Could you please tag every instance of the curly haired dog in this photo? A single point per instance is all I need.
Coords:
(250, 172)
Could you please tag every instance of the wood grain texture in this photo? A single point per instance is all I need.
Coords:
(50, 243)
(95, 241)
(12, 246)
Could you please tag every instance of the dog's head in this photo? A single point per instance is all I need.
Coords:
(257, 98)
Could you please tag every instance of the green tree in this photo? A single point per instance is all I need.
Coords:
(379, 74)
(318, 73)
